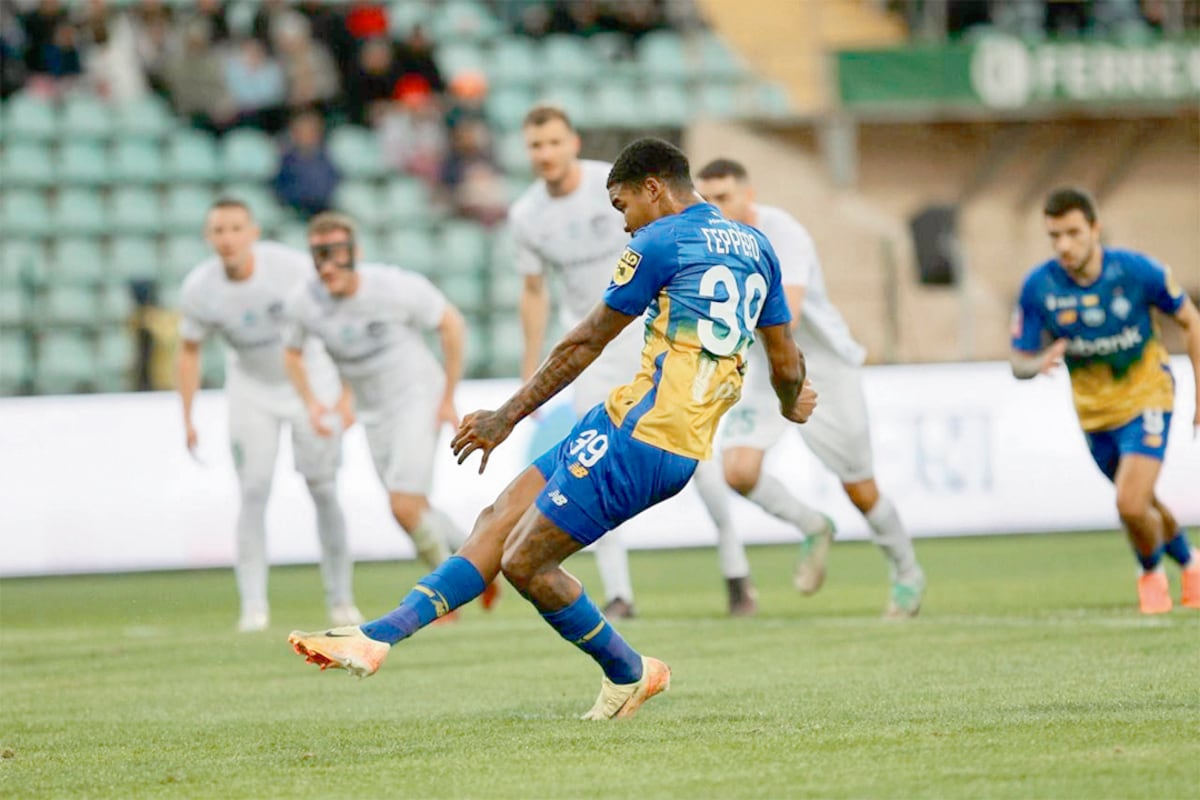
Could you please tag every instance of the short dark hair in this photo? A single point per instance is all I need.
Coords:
(1065, 200)
(650, 157)
(229, 201)
(546, 112)
(723, 168)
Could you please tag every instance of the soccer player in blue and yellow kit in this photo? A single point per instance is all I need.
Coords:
(709, 283)
(1094, 305)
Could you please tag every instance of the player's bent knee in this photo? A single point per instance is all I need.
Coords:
(741, 478)
(517, 568)
(408, 509)
(1132, 507)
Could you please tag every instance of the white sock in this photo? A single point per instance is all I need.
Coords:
(773, 497)
(250, 565)
(709, 479)
(889, 534)
(337, 568)
(612, 560)
(429, 538)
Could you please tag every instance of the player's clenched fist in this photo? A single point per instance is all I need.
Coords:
(806, 401)
(482, 430)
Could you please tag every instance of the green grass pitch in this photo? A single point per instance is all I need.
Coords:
(1029, 674)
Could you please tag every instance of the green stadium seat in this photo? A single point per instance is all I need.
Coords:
(20, 260)
(371, 245)
(572, 99)
(192, 156)
(116, 303)
(406, 200)
(361, 201)
(610, 47)
(507, 107)
(771, 100)
(248, 155)
(80, 211)
(463, 247)
(667, 104)
(116, 351)
(462, 21)
(715, 61)
(567, 58)
(266, 209)
(662, 56)
(79, 261)
(404, 14)
(182, 253)
(467, 291)
(356, 152)
(717, 101)
(16, 363)
(454, 59)
(66, 363)
(511, 154)
(414, 249)
(136, 211)
(186, 207)
(212, 363)
(507, 287)
(513, 62)
(479, 347)
(134, 258)
(138, 162)
(508, 346)
(83, 163)
(618, 105)
(15, 307)
(293, 234)
(85, 116)
(27, 117)
(148, 117)
(68, 305)
(27, 164)
(25, 214)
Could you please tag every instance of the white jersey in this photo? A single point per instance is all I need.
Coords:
(578, 239)
(249, 316)
(820, 325)
(375, 336)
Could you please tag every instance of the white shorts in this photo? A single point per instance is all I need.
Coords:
(616, 366)
(838, 433)
(256, 416)
(403, 437)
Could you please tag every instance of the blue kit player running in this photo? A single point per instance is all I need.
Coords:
(709, 283)
(1094, 304)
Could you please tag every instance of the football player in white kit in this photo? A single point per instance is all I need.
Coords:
(239, 294)
(372, 319)
(839, 435)
(564, 225)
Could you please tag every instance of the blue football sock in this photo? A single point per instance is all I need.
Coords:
(582, 624)
(1149, 562)
(454, 583)
(1178, 548)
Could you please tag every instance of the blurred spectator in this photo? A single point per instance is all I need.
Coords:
(195, 77)
(151, 24)
(416, 58)
(40, 25)
(58, 61)
(468, 91)
(473, 181)
(213, 13)
(307, 177)
(111, 61)
(373, 80)
(412, 133)
(367, 20)
(268, 16)
(12, 48)
(312, 78)
(256, 84)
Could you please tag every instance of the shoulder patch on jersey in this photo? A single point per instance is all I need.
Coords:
(1173, 287)
(626, 266)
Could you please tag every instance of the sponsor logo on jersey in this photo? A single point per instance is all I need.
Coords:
(578, 470)
(1121, 306)
(1053, 302)
(1127, 339)
(1093, 316)
(1067, 317)
(626, 266)
(376, 329)
(558, 498)
(275, 310)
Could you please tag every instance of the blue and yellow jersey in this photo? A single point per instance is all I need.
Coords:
(1117, 362)
(708, 282)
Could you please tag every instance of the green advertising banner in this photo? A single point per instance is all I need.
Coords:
(1003, 72)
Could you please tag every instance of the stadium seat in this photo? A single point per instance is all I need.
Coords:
(81, 211)
(361, 201)
(715, 61)
(19, 261)
(182, 253)
(467, 291)
(667, 104)
(771, 100)
(66, 363)
(455, 59)
(293, 234)
(212, 363)
(133, 258)
(27, 164)
(28, 117)
(186, 207)
(463, 247)
(25, 214)
(610, 48)
(356, 152)
(414, 249)
(116, 303)
(262, 202)
(513, 62)
(507, 286)
(79, 261)
(512, 155)
(83, 163)
(68, 305)
(115, 355)
(462, 21)
(16, 363)
(136, 211)
(406, 200)
(507, 345)
(567, 58)
(716, 101)
(85, 116)
(192, 156)
(248, 155)
(479, 346)
(403, 15)
(506, 107)
(137, 162)
(148, 117)
(662, 56)
(572, 99)
(15, 307)
(618, 105)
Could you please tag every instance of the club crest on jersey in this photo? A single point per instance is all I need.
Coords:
(1121, 306)
(626, 266)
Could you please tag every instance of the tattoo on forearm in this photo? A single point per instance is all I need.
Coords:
(564, 364)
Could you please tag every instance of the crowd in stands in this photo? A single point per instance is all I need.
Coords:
(295, 71)
(1035, 19)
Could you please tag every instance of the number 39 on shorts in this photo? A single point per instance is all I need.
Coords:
(589, 447)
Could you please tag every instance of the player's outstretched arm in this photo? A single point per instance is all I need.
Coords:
(485, 430)
(788, 373)
(1188, 318)
(293, 364)
(1026, 365)
(187, 368)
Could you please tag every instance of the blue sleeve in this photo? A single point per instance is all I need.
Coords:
(645, 266)
(775, 309)
(1028, 321)
(1162, 290)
